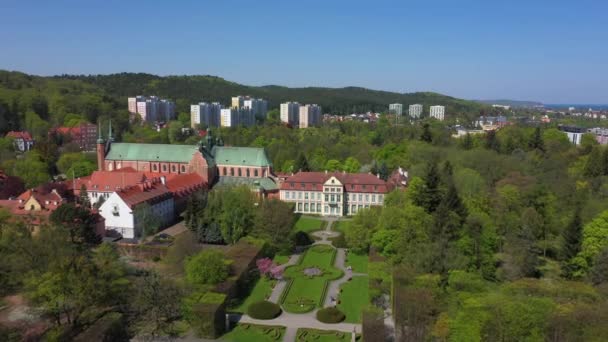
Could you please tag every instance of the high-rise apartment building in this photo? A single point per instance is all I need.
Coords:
(233, 117)
(437, 112)
(152, 108)
(395, 108)
(205, 113)
(259, 107)
(310, 115)
(415, 110)
(290, 113)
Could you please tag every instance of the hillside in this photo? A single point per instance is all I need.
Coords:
(512, 103)
(36, 103)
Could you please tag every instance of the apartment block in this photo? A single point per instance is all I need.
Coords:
(205, 113)
(395, 108)
(415, 110)
(309, 115)
(437, 112)
(233, 117)
(151, 108)
(290, 113)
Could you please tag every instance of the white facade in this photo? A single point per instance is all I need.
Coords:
(151, 108)
(437, 112)
(120, 218)
(232, 117)
(205, 113)
(332, 200)
(310, 115)
(395, 108)
(259, 107)
(290, 113)
(415, 110)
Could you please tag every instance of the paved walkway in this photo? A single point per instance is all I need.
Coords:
(296, 321)
(280, 286)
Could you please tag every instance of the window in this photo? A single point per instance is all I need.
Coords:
(291, 185)
(183, 168)
(173, 168)
(305, 206)
(299, 206)
(326, 197)
(303, 185)
(353, 209)
(364, 186)
(115, 211)
(326, 189)
(232, 171)
(287, 195)
(32, 207)
(333, 181)
(373, 198)
(375, 188)
(239, 171)
(326, 209)
(306, 195)
(299, 195)
(319, 197)
(318, 207)
(366, 197)
(293, 195)
(380, 198)
(360, 197)
(352, 186)
(255, 173)
(155, 167)
(333, 198)
(248, 174)
(338, 198)
(164, 168)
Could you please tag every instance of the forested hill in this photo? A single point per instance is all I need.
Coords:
(192, 89)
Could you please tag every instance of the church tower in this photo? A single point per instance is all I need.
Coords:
(101, 151)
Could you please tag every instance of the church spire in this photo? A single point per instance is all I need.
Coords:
(110, 137)
(99, 137)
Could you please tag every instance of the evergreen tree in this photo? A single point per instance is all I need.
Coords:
(383, 171)
(595, 164)
(301, 163)
(99, 202)
(467, 142)
(374, 170)
(573, 236)
(537, 143)
(84, 197)
(492, 142)
(426, 133)
(605, 161)
(430, 195)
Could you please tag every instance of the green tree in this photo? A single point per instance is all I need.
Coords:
(333, 165)
(430, 194)
(146, 220)
(359, 231)
(79, 222)
(207, 267)
(467, 142)
(301, 163)
(351, 165)
(594, 166)
(536, 142)
(84, 197)
(157, 303)
(31, 169)
(426, 135)
(237, 213)
(599, 272)
(274, 221)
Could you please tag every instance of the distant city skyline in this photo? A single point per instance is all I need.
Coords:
(546, 51)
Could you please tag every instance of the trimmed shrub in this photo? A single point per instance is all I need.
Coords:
(302, 239)
(264, 310)
(330, 315)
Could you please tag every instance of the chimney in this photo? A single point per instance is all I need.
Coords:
(163, 180)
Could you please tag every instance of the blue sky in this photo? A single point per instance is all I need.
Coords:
(551, 51)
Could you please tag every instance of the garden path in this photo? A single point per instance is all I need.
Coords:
(280, 286)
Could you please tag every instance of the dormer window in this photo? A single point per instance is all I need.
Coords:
(115, 210)
(291, 184)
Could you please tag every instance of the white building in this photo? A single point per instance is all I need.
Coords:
(233, 117)
(259, 107)
(415, 110)
(205, 113)
(121, 207)
(575, 134)
(290, 113)
(333, 194)
(151, 109)
(395, 108)
(309, 115)
(437, 112)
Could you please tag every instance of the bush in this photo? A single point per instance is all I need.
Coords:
(330, 315)
(264, 310)
(302, 239)
(208, 267)
(339, 241)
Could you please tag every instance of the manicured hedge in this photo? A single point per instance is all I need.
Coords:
(330, 315)
(264, 310)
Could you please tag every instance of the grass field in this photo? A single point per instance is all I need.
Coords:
(281, 259)
(305, 293)
(339, 226)
(253, 332)
(308, 224)
(310, 335)
(353, 298)
(261, 291)
(357, 261)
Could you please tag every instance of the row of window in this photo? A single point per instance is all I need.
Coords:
(316, 208)
(164, 168)
(239, 172)
(292, 195)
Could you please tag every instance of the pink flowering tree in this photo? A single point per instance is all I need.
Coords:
(269, 269)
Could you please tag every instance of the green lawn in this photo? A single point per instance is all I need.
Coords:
(310, 335)
(281, 259)
(261, 290)
(353, 298)
(339, 226)
(357, 261)
(305, 293)
(308, 224)
(253, 332)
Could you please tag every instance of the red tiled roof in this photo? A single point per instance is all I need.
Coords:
(107, 181)
(185, 184)
(353, 182)
(26, 136)
(145, 192)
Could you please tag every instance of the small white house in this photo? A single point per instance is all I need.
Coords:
(119, 209)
